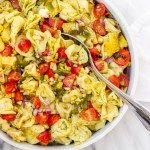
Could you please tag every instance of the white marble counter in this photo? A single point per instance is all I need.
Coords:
(129, 134)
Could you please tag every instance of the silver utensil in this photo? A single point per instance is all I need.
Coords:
(141, 112)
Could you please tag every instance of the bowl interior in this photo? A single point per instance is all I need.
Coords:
(109, 126)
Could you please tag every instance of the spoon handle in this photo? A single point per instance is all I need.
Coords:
(140, 111)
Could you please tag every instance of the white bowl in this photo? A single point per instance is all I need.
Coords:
(101, 133)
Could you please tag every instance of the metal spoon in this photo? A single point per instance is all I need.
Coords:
(141, 112)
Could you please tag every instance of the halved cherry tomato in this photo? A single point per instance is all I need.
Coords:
(44, 26)
(59, 23)
(69, 63)
(89, 104)
(115, 80)
(69, 80)
(90, 114)
(14, 75)
(24, 45)
(41, 118)
(50, 73)
(9, 117)
(99, 27)
(36, 102)
(99, 63)
(122, 58)
(75, 69)
(94, 52)
(61, 53)
(10, 87)
(55, 23)
(100, 10)
(15, 4)
(46, 52)
(18, 96)
(44, 137)
(7, 51)
(43, 68)
(51, 25)
(124, 80)
(53, 119)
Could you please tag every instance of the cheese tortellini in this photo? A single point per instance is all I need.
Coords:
(17, 24)
(26, 5)
(32, 132)
(45, 91)
(77, 54)
(29, 86)
(64, 109)
(38, 39)
(62, 128)
(24, 117)
(49, 93)
(80, 134)
(31, 70)
(75, 96)
(5, 35)
(6, 106)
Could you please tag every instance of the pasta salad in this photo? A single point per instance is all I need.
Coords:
(48, 93)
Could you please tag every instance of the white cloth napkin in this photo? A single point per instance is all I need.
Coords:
(137, 15)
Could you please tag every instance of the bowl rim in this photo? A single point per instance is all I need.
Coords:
(132, 87)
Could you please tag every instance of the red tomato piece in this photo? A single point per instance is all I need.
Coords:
(61, 53)
(46, 52)
(10, 87)
(69, 80)
(90, 114)
(114, 80)
(124, 80)
(15, 4)
(94, 52)
(14, 75)
(51, 25)
(123, 57)
(55, 23)
(9, 117)
(44, 137)
(18, 96)
(69, 63)
(53, 119)
(36, 102)
(24, 45)
(52, 31)
(50, 73)
(99, 63)
(89, 104)
(100, 10)
(99, 27)
(59, 23)
(43, 68)
(45, 26)
(41, 118)
(75, 69)
(7, 51)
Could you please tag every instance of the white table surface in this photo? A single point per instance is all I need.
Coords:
(129, 134)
